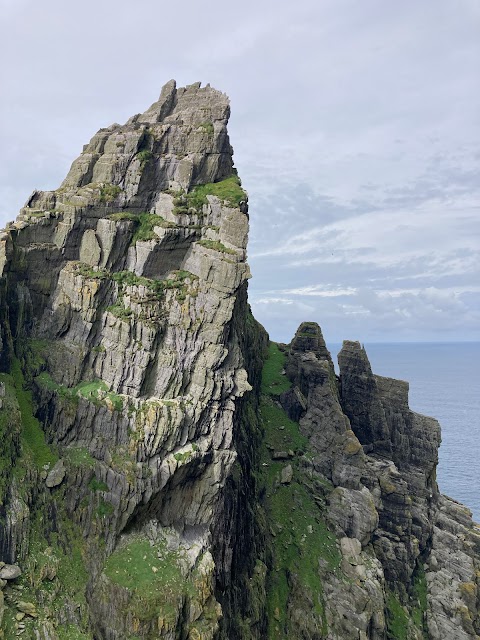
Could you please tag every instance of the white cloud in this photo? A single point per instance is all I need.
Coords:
(321, 291)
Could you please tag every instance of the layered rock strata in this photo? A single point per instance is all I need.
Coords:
(410, 563)
(165, 471)
(123, 291)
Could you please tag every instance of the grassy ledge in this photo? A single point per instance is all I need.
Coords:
(228, 190)
(144, 224)
(33, 438)
(95, 391)
(216, 245)
(153, 575)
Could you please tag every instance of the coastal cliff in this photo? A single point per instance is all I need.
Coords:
(165, 470)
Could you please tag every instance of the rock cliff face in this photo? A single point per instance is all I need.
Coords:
(165, 472)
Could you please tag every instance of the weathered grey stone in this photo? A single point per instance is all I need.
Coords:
(350, 548)
(56, 475)
(10, 572)
(286, 475)
(90, 251)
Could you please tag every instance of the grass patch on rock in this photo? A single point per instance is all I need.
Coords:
(151, 573)
(228, 190)
(300, 541)
(10, 430)
(79, 457)
(179, 280)
(91, 273)
(397, 619)
(95, 391)
(120, 311)
(108, 192)
(33, 437)
(97, 485)
(274, 380)
(146, 223)
(216, 245)
(419, 597)
(54, 576)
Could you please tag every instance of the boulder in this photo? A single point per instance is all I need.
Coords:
(56, 475)
(28, 608)
(287, 474)
(10, 572)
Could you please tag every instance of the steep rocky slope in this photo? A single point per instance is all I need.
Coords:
(165, 472)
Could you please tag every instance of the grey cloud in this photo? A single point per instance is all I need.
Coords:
(355, 130)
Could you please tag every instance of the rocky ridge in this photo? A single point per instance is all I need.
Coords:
(165, 472)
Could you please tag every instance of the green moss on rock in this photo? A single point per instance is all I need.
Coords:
(152, 574)
(300, 541)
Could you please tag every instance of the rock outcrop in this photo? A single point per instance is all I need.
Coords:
(165, 472)
(411, 553)
(124, 291)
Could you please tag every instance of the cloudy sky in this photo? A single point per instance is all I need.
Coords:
(356, 128)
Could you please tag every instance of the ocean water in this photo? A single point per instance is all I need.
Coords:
(444, 383)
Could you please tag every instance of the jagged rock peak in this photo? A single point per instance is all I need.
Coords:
(180, 142)
(130, 281)
(309, 337)
(360, 398)
(194, 104)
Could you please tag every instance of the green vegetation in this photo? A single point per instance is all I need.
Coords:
(54, 577)
(95, 391)
(145, 226)
(35, 214)
(123, 215)
(71, 632)
(144, 156)
(99, 348)
(274, 381)
(153, 575)
(300, 539)
(419, 597)
(79, 457)
(397, 619)
(89, 272)
(108, 192)
(207, 127)
(10, 428)
(157, 287)
(120, 311)
(228, 190)
(125, 278)
(130, 279)
(216, 245)
(33, 356)
(97, 485)
(104, 509)
(33, 438)
(281, 433)
(183, 457)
